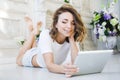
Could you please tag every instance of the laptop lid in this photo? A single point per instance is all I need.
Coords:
(92, 61)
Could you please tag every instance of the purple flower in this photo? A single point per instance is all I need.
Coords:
(97, 25)
(107, 16)
(97, 35)
(112, 33)
(97, 29)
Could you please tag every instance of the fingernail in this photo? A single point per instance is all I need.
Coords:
(68, 75)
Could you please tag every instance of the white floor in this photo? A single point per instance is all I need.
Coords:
(10, 71)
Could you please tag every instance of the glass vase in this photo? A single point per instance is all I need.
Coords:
(109, 43)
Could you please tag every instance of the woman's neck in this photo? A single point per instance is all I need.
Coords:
(60, 39)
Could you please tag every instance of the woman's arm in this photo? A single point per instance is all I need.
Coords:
(74, 49)
(67, 69)
(49, 60)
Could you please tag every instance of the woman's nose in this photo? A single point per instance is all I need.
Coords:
(69, 25)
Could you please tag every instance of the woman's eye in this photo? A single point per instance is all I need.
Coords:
(73, 23)
(64, 22)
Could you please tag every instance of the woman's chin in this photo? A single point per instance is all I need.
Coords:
(67, 35)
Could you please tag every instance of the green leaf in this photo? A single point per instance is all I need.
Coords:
(97, 17)
(106, 33)
(67, 1)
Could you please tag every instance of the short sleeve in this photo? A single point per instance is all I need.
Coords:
(45, 42)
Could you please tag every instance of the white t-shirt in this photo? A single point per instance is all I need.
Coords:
(46, 44)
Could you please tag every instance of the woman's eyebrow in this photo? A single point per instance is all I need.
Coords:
(67, 20)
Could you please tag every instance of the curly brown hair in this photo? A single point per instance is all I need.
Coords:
(80, 30)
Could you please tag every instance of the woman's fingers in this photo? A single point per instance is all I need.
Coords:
(70, 69)
(70, 66)
(68, 75)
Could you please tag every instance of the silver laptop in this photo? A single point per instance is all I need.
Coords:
(92, 61)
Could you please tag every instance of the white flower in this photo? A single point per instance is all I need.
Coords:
(119, 27)
(114, 21)
(104, 23)
(105, 10)
(101, 30)
(111, 8)
(114, 15)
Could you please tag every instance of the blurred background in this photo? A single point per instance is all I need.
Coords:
(13, 27)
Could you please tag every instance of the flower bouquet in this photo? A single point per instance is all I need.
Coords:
(105, 23)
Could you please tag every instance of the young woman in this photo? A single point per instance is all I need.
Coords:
(57, 48)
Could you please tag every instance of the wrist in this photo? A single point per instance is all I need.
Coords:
(62, 69)
(71, 40)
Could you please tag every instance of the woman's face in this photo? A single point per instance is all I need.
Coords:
(65, 24)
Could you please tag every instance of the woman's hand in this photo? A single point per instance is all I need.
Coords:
(71, 37)
(70, 69)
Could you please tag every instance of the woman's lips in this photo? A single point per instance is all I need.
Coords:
(67, 30)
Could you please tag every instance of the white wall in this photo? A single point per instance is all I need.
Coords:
(12, 14)
(12, 23)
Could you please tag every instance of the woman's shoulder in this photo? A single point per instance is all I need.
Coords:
(45, 32)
